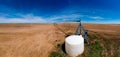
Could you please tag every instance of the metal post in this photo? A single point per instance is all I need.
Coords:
(80, 30)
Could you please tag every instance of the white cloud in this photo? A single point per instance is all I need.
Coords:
(96, 17)
(30, 18)
(66, 17)
(24, 19)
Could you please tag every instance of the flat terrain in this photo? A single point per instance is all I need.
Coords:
(39, 40)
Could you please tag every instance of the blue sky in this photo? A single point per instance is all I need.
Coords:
(51, 11)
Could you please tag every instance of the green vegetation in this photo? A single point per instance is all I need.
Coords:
(59, 52)
(95, 50)
(108, 44)
(93, 36)
(55, 54)
(98, 47)
(111, 47)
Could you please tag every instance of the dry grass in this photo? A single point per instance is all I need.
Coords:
(38, 40)
(104, 39)
(19, 40)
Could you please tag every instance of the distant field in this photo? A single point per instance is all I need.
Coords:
(45, 40)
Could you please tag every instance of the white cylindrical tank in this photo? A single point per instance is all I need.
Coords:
(74, 45)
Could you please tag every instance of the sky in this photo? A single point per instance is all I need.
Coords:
(55, 11)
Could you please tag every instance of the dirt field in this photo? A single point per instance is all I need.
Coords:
(38, 40)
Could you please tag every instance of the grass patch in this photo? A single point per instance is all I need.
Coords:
(93, 36)
(112, 48)
(108, 43)
(56, 54)
(95, 50)
(59, 52)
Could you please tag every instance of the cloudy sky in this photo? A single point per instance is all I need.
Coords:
(51, 11)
